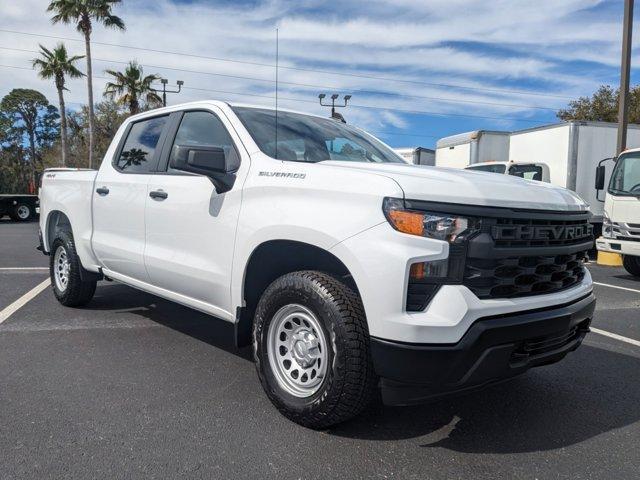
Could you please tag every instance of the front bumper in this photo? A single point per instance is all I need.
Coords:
(493, 349)
(625, 247)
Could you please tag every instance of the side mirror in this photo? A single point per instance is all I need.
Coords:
(207, 160)
(600, 174)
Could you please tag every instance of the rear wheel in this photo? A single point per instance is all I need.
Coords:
(64, 269)
(21, 212)
(311, 346)
(631, 264)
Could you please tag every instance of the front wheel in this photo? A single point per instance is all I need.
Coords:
(64, 269)
(311, 347)
(631, 264)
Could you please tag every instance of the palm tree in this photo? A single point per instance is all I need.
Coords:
(131, 87)
(84, 13)
(57, 64)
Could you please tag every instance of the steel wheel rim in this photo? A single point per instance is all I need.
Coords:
(61, 268)
(298, 350)
(23, 212)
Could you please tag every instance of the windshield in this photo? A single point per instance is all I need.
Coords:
(625, 179)
(304, 138)
(493, 168)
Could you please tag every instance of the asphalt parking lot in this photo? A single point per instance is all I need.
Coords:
(133, 386)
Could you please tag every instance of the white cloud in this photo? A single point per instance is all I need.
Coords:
(486, 46)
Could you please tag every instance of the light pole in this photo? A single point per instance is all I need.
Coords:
(625, 67)
(335, 115)
(164, 83)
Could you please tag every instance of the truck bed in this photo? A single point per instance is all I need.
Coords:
(68, 192)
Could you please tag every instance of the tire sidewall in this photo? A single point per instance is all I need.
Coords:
(632, 265)
(65, 240)
(17, 208)
(311, 296)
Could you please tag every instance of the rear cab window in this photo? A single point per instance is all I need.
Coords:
(495, 168)
(528, 172)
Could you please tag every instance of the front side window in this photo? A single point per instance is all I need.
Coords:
(625, 179)
(202, 129)
(493, 168)
(305, 138)
(138, 151)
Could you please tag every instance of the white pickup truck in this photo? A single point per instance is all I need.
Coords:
(347, 269)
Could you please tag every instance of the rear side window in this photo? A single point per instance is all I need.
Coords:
(137, 154)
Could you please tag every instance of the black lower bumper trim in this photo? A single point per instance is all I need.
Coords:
(493, 349)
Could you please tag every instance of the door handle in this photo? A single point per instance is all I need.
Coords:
(102, 191)
(158, 194)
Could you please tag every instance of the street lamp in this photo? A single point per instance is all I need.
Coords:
(164, 83)
(335, 115)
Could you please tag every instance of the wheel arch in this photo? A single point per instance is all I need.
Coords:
(274, 258)
(56, 221)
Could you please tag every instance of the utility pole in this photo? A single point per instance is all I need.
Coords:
(335, 115)
(625, 70)
(164, 83)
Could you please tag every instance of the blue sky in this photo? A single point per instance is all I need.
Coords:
(417, 70)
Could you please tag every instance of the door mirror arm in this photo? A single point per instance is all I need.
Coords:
(600, 177)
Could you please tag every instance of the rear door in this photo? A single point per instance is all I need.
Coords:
(120, 196)
(190, 226)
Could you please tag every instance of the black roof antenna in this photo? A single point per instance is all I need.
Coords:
(277, 57)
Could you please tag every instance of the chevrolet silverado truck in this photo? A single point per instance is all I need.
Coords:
(345, 268)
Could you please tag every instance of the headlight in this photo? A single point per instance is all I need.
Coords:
(439, 226)
(607, 227)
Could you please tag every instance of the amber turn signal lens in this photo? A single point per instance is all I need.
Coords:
(407, 222)
(417, 271)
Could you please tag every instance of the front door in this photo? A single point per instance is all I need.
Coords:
(190, 226)
(120, 196)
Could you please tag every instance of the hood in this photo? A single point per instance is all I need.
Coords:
(451, 185)
(624, 209)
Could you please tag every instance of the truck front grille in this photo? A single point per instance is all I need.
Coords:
(523, 275)
(527, 255)
(627, 231)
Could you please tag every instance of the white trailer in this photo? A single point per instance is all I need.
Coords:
(468, 148)
(417, 155)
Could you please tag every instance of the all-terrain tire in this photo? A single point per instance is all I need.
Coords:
(631, 264)
(76, 292)
(349, 381)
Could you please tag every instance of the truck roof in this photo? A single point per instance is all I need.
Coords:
(413, 149)
(218, 103)
(466, 137)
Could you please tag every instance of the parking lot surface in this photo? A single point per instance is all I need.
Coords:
(133, 386)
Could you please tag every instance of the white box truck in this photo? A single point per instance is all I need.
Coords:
(468, 148)
(621, 229)
(417, 155)
(571, 150)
